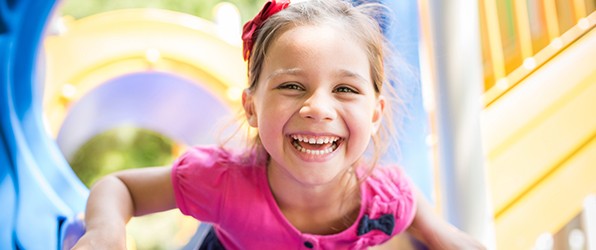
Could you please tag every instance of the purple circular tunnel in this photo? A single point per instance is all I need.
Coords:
(171, 105)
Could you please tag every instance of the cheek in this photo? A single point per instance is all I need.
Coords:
(361, 116)
(272, 119)
(361, 126)
(361, 132)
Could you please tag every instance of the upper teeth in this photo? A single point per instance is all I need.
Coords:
(315, 140)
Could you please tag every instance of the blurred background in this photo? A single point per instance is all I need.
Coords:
(122, 143)
(117, 82)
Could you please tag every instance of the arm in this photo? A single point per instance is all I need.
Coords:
(435, 232)
(114, 199)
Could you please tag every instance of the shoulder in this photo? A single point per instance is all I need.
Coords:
(203, 177)
(213, 157)
(212, 165)
(388, 190)
(390, 180)
(208, 156)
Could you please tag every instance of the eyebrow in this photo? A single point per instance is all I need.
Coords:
(297, 71)
(351, 74)
(292, 71)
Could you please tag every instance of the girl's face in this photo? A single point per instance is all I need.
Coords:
(314, 105)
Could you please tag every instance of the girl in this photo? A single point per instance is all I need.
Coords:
(316, 99)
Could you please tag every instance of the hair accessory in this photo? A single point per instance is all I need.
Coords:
(269, 9)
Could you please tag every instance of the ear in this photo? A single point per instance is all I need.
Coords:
(378, 114)
(249, 108)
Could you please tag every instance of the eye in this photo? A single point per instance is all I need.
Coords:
(345, 89)
(290, 86)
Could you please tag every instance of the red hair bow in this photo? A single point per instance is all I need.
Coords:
(269, 9)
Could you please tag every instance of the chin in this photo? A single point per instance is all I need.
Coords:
(315, 179)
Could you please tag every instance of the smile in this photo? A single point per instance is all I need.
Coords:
(315, 145)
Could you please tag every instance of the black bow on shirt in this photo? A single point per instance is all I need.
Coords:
(385, 223)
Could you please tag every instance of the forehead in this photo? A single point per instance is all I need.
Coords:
(318, 44)
(325, 29)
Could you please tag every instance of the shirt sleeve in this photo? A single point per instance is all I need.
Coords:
(406, 210)
(199, 182)
(393, 193)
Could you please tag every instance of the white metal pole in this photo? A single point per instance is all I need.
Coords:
(589, 221)
(451, 42)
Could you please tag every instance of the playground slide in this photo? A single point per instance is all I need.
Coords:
(30, 203)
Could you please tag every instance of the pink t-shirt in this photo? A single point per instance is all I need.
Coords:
(232, 192)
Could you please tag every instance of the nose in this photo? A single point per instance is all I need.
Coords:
(318, 107)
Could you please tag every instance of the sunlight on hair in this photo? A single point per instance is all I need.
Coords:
(298, 1)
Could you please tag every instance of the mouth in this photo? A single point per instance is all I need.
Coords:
(315, 145)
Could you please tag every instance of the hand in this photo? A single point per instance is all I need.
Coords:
(95, 240)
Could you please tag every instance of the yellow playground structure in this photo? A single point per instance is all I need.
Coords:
(82, 54)
(538, 122)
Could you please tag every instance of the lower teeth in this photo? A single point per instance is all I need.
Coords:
(315, 152)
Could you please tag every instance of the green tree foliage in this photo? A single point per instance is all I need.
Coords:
(121, 148)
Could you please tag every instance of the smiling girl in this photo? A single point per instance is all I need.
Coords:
(317, 98)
